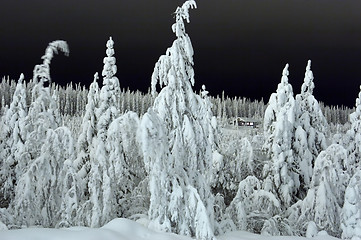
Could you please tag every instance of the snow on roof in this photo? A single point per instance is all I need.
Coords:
(247, 119)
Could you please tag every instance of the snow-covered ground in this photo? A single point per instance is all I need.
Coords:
(124, 229)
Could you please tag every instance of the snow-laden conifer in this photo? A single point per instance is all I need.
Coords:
(109, 94)
(43, 113)
(88, 132)
(101, 196)
(175, 144)
(42, 119)
(354, 135)
(71, 195)
(252, 205)
(39, 191)
(280, 177)
(351, 211)
(85, 148)
(235, 163)
(13, 136)
(108, 108)
(127, 163)
(325, 197)
(311, 128)
(42, 116)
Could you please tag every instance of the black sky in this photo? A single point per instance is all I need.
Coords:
(241, 46)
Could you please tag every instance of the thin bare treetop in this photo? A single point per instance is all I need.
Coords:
(42, 71)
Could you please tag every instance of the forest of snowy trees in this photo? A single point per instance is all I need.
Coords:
(71, 156)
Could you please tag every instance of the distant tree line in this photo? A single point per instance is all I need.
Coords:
(72, 100)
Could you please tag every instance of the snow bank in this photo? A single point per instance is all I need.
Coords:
(117, 229)
(124, 229)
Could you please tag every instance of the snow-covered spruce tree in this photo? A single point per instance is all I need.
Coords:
(39, 191)
(84, 149)
(127, 165)
(351, 211)
(108, 109)
(354, 135)
(311, 128)
(43, 113)
(177, 152)
(252, 205)
(280, 177)
(100, 191)
(235, 165)
(325, 197)
(71, 193)
(68, 180)
(12, 141)
(42, 117)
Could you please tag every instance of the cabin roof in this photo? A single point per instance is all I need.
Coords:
(243, 119)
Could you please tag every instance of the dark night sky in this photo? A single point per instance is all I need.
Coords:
(241, 46)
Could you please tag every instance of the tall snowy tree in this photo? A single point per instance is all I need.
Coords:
(42, 117)
(12, 141)
(100, 181)
(108, 109)
(43, 113)
(85, 148)
(311, 128)
(177, 152)
(280, 177)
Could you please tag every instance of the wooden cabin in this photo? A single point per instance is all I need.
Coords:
(247, 122)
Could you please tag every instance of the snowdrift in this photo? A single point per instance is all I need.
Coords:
(124, 229)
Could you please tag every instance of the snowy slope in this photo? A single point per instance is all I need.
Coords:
(123, 229)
